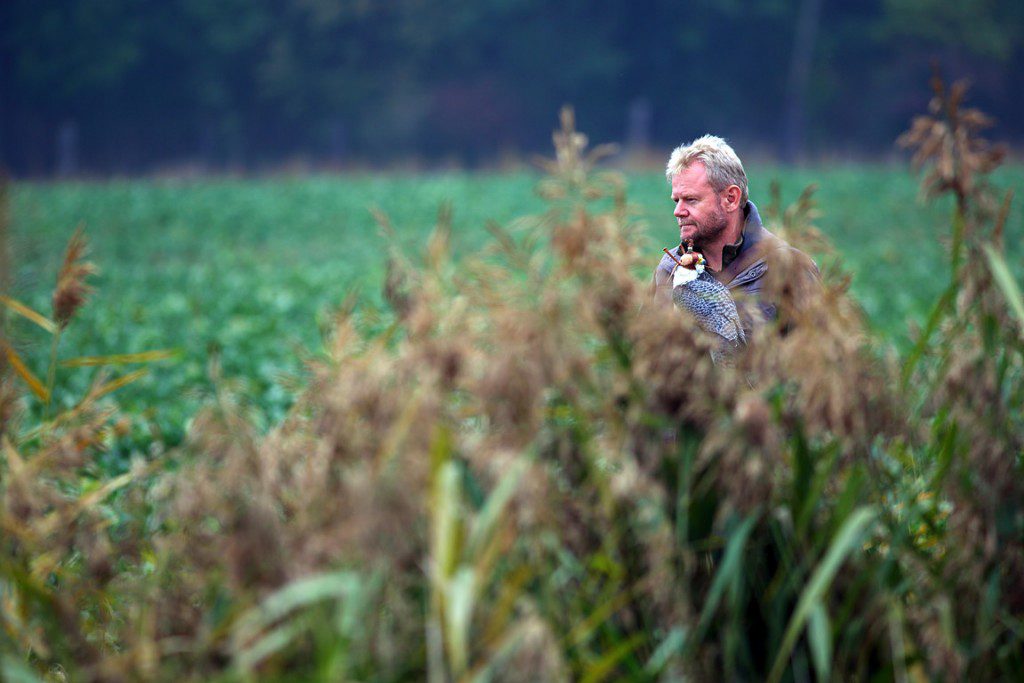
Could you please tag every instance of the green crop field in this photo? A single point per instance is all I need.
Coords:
(249, 271)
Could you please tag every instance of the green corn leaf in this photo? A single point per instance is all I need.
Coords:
(732, 564)
(845, 541)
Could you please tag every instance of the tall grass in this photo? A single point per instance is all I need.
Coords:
(534, 475)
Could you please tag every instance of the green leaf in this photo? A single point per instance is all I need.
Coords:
(605, 666)
(803, 470)
(1004, 278)
(673, 644)
(274, 641)
(726, 574)
(819, 635)
(293, 596)
(447, 530)
(585, 628)
(460, 596)
(946, 442)
(16, 671)
(934, 318)
(487, 520)
(845, 541)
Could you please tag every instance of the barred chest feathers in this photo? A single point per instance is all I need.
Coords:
(709, 302)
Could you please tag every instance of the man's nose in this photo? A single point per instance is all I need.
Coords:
(680, 211)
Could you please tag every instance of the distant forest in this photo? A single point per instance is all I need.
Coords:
(130, 86)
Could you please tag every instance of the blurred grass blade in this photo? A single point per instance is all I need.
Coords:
(444, 540)
(115, 384)
(845, 541)
(37, 387)
(445, 515)
(605, 667)
(61, 517)
(16, 671)
(672, 645)
(274, 641)
(822, 469)
(936, 316)
(460, 597)
(356, 603)
(731, 565)
(500, 610)
(943, 459)
(297, 594)
(502, 652)
(121, 359)
(27, 313)
(487, 520)
(819, 636)
(897, 643)
(583, 630)
(1007, 284)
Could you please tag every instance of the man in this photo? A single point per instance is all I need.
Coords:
(709, 190)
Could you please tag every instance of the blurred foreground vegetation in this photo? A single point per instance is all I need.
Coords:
(520, 471)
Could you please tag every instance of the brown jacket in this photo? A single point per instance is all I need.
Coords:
(746, 272)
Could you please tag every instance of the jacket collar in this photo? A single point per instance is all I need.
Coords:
(753, 248)
(753, 232)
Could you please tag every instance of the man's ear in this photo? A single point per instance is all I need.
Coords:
(731, 198)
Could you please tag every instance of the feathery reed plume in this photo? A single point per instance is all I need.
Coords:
(947, 139)
(71, 291)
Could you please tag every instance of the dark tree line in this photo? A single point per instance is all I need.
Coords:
(130, 85)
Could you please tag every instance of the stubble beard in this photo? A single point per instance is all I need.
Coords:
(709, 230)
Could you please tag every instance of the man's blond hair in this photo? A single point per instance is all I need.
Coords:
(722, 165)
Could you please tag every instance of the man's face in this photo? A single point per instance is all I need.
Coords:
(699, 211)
